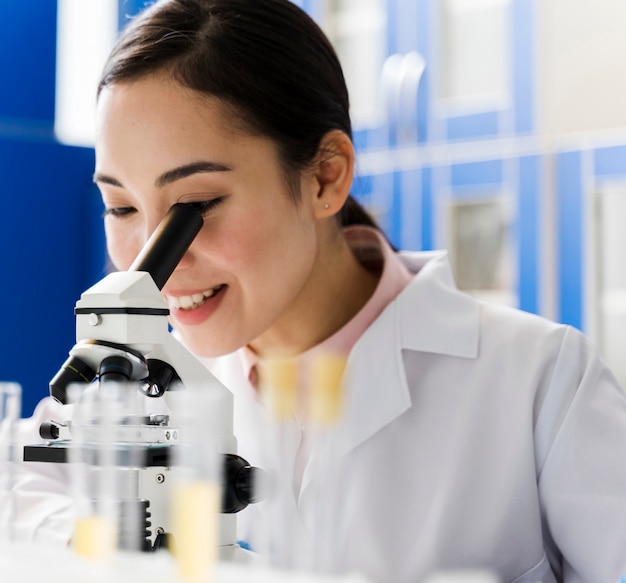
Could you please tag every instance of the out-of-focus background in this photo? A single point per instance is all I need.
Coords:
(493, 128)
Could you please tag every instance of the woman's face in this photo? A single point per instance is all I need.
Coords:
(250, 266)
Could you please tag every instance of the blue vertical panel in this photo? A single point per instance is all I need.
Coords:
(393, 13)
(362, 189)
(469, 127)
(428, 217)
(610, 162)
(524, 40)
(381, 201)
(27, 60)
(469, 175)
(394, 231)
(406, 26)
(372, 139)
(423, 32)
(51, 245)
(528, 221)
(388, 137)
(359, 138)
(44, 234)
(411, 219)
(569, 240)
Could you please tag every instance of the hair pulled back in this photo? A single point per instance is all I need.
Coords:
(267, 59)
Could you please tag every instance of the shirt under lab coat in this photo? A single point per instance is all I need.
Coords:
(474, 436)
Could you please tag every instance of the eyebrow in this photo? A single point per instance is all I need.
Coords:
(188, 170)
(172, 175)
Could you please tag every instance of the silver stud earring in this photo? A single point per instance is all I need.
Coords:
(326, 205)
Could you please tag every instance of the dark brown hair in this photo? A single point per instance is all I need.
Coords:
(267, 59)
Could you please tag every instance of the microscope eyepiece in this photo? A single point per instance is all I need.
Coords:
(169, 242)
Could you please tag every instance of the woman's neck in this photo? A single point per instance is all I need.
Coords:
(338, 288)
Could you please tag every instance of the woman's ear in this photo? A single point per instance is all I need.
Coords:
(334, 168)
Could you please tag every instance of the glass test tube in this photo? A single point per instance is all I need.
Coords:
(94, 530)
(103, 471)
(279, 389)
(325, 412)
(196, 492)
(10, 407)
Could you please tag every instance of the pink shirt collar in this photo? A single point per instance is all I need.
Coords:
(370, 248)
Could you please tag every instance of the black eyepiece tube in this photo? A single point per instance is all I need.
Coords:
(169, 242)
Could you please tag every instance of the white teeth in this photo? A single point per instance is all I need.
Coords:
(185, 302)
(193, 301)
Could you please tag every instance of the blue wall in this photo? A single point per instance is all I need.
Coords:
(51, 244)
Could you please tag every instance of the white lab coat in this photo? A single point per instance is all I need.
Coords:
(474, 436)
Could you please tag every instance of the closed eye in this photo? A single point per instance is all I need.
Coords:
(205, 206)
(118, 212)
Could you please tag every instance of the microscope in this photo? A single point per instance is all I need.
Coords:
(123, 339)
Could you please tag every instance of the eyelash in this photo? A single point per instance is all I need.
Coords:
(118, 212)
(203, 207)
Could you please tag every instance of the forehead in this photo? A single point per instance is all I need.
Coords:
(159, 99)
(153, 124)
(157, 116)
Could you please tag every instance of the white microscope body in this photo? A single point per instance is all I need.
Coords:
(122, 335)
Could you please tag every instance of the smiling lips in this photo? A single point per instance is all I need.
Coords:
(194, 301)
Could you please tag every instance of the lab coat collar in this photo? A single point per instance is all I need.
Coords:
(434, 315)
(429, 315)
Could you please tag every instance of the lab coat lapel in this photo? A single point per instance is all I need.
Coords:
(435, 316)
(430, 315)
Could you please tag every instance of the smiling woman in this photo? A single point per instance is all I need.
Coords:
(183, 149)
(472, 434)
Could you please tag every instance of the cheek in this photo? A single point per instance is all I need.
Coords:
(267, 249)
(258, 245)
(231, 248)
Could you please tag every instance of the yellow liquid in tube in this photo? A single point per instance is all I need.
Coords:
(326, 394)
(279, 381)
(195, 506)
(94, 537)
